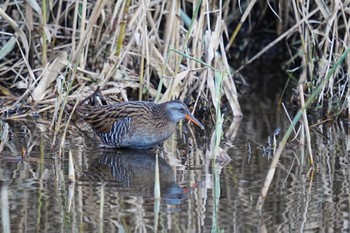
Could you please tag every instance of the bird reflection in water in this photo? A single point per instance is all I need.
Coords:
(133, 172)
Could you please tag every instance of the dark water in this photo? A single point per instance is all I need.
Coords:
(114, 190)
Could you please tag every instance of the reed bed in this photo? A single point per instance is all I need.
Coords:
(57, 51)
(158, 50)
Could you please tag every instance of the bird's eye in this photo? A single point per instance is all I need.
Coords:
(182, 109)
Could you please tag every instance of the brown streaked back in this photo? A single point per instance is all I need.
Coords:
(102, 118)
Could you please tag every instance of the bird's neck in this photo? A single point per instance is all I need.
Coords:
(160, 112)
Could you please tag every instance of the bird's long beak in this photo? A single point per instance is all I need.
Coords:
(190, 117)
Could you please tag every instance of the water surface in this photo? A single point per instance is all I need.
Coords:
(114, 189)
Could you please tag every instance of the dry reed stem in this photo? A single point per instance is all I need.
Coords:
(71, 170)
(87, 34)
(306, 124)
(5, 208)
(122, 28)
(19, 32)
(303, 79)
(28, 114)
(70, 196)
(243, 18)
(50, 74)
(4, 136)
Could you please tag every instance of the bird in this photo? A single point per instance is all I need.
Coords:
(135, 124)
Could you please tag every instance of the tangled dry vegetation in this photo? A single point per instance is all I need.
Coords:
(55, 51)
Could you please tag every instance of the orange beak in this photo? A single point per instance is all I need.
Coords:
(194, 120)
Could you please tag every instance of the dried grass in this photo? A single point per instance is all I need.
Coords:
(99, 42)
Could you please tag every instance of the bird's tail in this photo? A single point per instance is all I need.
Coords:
(93, 100)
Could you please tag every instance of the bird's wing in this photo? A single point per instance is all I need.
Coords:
(102, 118)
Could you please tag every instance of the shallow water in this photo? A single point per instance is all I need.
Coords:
(114, 190)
